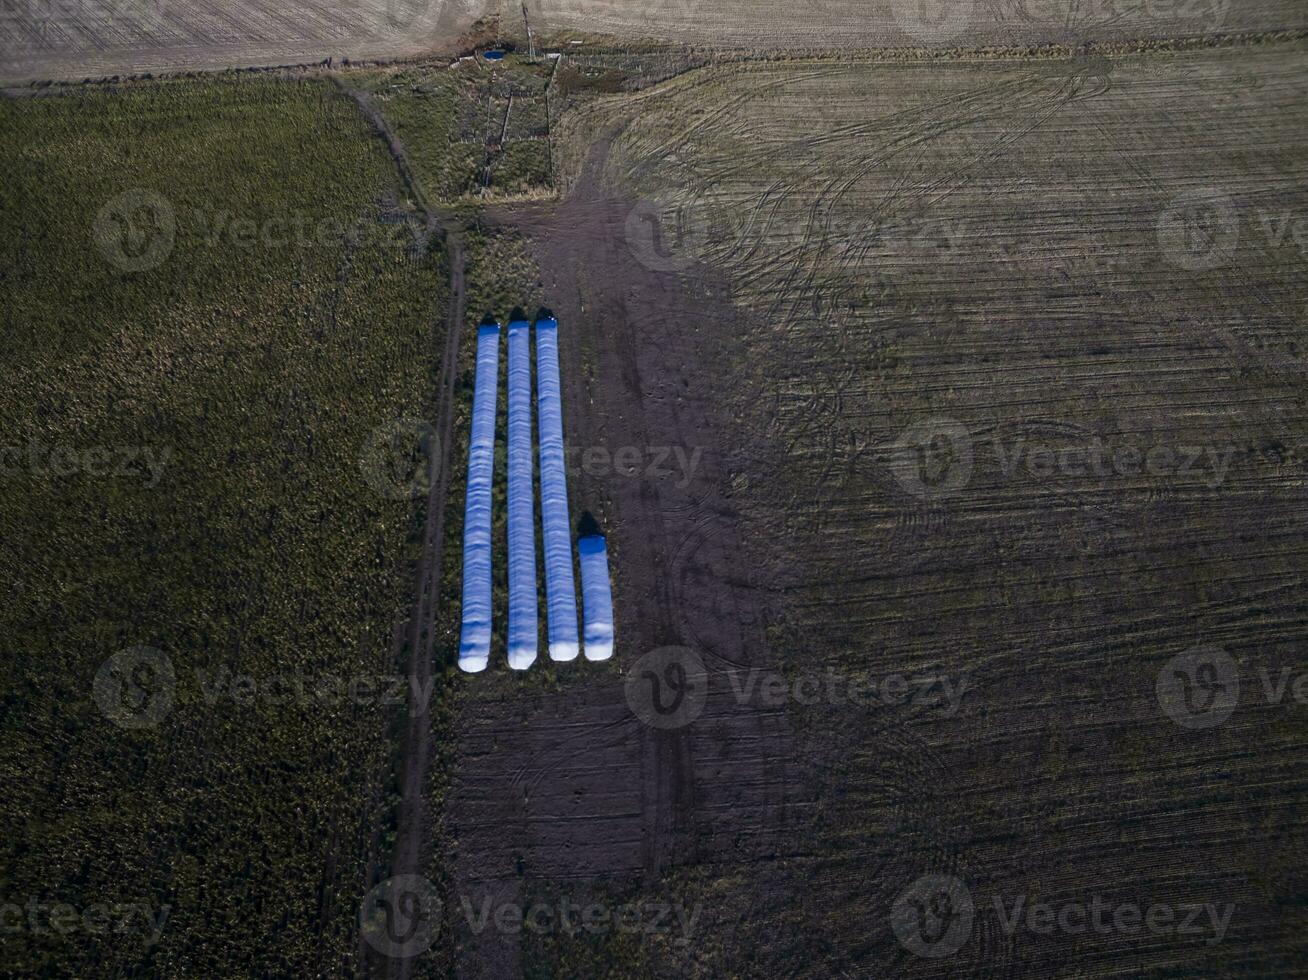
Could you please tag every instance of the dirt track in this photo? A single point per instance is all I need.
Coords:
(413, 823)
(413, 636)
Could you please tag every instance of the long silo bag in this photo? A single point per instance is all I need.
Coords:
(596, 596)
(560, 587)
(522, 512)
(475, 636)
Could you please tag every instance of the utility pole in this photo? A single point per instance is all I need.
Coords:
(531, 40)
(504, 132)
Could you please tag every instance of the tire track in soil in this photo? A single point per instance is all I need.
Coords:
(568, 792)
(925, 802)
(411, 639)
(412, 830)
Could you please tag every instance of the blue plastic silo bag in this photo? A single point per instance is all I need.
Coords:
(597, 597)
(475, 635)
(560, 587)
(522, 511)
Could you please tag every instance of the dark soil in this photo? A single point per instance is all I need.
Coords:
(570, 792)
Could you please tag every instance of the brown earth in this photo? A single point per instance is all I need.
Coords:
(980, 242)
(827, 25)
(570, 791)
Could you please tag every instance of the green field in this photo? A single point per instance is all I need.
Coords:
(458, 132)
(194, 375)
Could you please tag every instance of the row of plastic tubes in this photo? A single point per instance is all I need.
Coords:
(560, 586)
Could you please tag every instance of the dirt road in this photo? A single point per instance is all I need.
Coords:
(413, 637)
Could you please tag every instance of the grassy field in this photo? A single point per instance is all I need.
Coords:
(215, 310)
(474, 133)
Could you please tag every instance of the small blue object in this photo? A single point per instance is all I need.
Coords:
(597, 597)
(493, 55)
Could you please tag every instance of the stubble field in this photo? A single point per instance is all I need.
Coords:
(74, 39)
(825, 25)
(997, 371)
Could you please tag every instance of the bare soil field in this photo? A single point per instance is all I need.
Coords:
(997, 370)
(567, 788)
(824, 25)
(74, 39)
